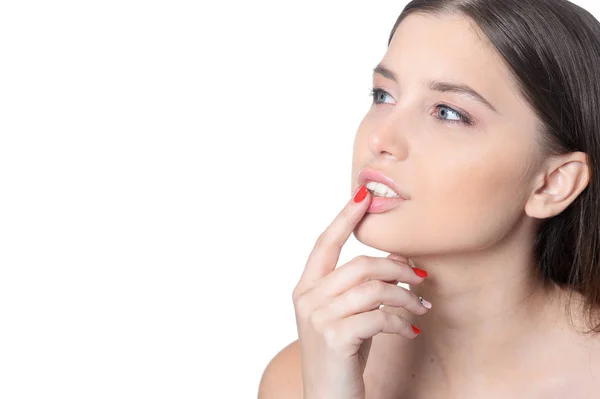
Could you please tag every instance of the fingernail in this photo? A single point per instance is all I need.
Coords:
(425, 303)
(420, 272)
(415, 329)
(361, 194)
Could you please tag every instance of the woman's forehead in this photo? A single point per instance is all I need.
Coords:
(450, 49)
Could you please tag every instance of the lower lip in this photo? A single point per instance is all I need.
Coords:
(383, 204)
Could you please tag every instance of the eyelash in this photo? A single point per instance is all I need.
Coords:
(463, 119)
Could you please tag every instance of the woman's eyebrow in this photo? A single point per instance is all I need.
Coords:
(439, 86)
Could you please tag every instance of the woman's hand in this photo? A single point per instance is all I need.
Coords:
(337, 310)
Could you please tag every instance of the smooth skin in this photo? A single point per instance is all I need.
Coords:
(477, 194)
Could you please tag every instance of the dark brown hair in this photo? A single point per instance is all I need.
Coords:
(552, 48)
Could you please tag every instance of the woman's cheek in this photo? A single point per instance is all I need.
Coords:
(467, 207)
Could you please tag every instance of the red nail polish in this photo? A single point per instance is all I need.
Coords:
(420, 272)
(415, 329)
(361, 194)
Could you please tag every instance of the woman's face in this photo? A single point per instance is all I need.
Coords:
(466, 184)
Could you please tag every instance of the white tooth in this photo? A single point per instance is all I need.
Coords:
(371, 185)
(381, 190)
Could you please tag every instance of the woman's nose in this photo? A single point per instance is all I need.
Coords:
(388, 138)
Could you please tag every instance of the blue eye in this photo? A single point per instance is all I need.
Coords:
(461, 118)
(376, 93)
(379, 95)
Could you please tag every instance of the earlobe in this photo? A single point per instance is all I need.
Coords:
(566, 180)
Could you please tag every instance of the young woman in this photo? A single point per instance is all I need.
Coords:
(484, 139)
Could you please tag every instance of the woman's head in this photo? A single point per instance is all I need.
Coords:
(517, 160)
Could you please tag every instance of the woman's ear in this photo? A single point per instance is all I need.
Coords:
(562, 179)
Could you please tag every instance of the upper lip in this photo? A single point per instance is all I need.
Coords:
(367, 175)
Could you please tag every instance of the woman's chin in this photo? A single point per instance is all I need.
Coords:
(374, 236)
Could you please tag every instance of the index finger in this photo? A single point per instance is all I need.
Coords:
(326, 252)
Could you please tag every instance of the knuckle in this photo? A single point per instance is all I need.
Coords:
(362, 266)
(360, 260)
(385, 318)
(373, 288)
(395, 323)
(321, 238)
(387, 321)
(297, 293)
(302, 306)
(365, 271)
(324, 239)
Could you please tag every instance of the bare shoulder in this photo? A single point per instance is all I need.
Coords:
(573, 368)
(588, 378)
(282, 378)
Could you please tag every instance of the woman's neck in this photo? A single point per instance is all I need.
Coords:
(488, 310)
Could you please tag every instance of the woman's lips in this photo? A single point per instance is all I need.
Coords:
(383, 204)
(368, 175)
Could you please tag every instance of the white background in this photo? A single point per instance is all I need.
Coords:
(165, 168)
